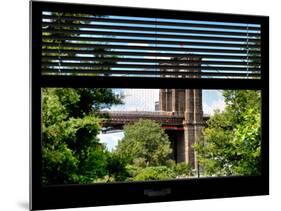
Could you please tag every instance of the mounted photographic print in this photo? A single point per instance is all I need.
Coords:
(135, 105)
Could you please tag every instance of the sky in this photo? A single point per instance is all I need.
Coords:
(144, 100)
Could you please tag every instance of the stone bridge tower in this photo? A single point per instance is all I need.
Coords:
(188, 104)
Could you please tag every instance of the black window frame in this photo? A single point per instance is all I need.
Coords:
(62, 196)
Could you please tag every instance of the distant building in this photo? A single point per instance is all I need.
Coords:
(157, 106)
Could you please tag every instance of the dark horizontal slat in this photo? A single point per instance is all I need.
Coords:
(168, 42)
(124, 53)
(131, 47)
(151, 35)
(135, 72)
(181, 67)
(89, 59)
(151, 82)
(152, 29)
(144, 22)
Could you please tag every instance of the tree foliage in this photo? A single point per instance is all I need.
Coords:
(155, 173)
(145, 144)
(231, 142)
(163, 172)
(71, 151)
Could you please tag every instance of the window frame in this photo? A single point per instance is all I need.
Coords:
(62, 196)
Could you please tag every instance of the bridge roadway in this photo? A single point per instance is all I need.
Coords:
(168, 120)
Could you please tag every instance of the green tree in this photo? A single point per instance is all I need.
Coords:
(71, 151)
(155, 173)
(145, 143)
(182, 169)
(231, 142)
(116, 166)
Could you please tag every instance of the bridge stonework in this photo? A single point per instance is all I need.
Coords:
(188, 104)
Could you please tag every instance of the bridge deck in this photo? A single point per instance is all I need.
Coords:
(119, 118)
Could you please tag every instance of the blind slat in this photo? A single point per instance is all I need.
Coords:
(214, 36)
(147, 72)
(135, 47)
(157, 42)
(181, 67)
(90, 59)
(152, 29)
(151, 22)
(154, 54)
